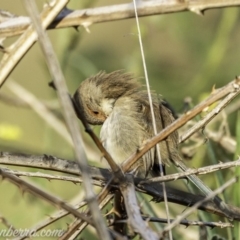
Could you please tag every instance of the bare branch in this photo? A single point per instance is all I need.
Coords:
(184, 198)
(104, 175)
(202, 170)
(60, 84)
(25, 42)
(133, 212)
(51, 163)
(58, 215)
(190, 210)
(117, 171)
(42, 111)
(227, 142)
(6, 223)
(67, 18)
(52, 105)
(43, 194)
(188, 223)
(209, 116)
(50, 177)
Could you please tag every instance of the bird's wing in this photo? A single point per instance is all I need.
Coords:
(168, 147)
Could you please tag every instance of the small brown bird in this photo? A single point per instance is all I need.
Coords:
(118, 103)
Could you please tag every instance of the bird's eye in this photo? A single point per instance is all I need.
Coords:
(142, 108)
(95, 112)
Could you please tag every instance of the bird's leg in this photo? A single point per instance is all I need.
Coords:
(119, 213)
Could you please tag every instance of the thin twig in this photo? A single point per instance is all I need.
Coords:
(25, 186)
(209, 116)
(117, 171)
(42, 111)
(225, 141)
(52, 105)
(202, 170)
(5, 222)
(185, 199)
(60, 84)
(195, 206)
(186, 223)
(51, 177)
(58, 215)
(15, 25)
(80, 225)
(26, 41)
(152, 112)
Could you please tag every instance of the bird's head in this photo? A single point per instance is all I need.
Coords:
(96, 95)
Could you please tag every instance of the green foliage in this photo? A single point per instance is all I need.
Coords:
(236, 195)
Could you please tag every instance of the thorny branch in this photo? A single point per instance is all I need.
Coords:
(24, 186)
(14, 25)
(209, 116)
(188, 223)
(190, 210)
(27, 39)
(58, 215)
(202, 170)
(103, 175)
(99, 176)
(60, 83)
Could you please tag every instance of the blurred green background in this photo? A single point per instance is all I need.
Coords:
(186, 56)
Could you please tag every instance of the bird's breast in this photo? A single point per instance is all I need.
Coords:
(121, 134)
